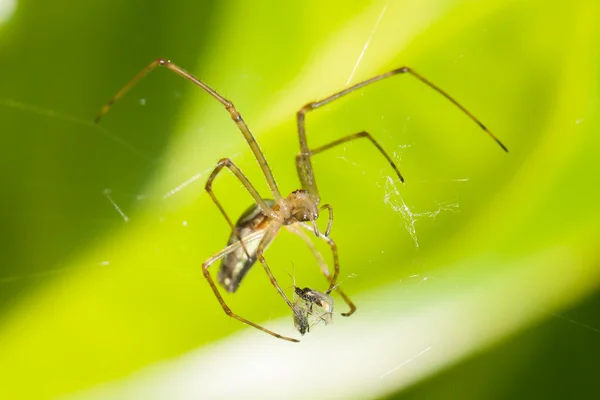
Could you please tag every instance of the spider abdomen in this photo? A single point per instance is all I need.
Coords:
(236, 264)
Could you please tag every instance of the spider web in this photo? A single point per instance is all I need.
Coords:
(394, 199)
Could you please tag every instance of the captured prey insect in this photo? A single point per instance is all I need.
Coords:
(311, 306)
(297, 212)
(307, 308)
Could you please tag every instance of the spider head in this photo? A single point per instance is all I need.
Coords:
(302, 207)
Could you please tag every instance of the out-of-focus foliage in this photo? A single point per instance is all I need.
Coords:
(87, 295)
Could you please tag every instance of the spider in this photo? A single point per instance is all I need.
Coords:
(297, 212)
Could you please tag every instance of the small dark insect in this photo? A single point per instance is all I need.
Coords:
(308, 304)
(301, 322)
(298, 211)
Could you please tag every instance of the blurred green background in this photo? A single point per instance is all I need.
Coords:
(104, 228)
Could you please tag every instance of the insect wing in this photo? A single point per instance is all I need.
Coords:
(325, 303)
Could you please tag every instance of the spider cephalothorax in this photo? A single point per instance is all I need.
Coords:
(302, 207)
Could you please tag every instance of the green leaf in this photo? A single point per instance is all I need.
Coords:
(476, 246)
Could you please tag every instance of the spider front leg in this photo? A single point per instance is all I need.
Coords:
(336, 268)
(215, 290)
(226, 162)
(323, 265)
(336, 263)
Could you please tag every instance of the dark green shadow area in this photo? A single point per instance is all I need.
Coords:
(59, 62)
(557, 359)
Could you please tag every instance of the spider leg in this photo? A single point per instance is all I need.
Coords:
(303, 163)
(300, 158)
(270, 234)
(226, 162)
(333, 281)
(235, 115)
(330, 221)
(323, 265)
(221, 254)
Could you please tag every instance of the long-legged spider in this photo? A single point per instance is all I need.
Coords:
(259, 225)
